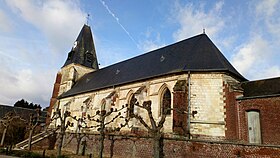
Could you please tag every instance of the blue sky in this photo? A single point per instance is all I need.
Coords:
(36, 35)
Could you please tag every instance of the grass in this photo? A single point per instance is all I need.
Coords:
(39, 154)
(52, 153)
(31, 154)
(21, 153)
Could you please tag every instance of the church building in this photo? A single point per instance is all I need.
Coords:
(191, 75)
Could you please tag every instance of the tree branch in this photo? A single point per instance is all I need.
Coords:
(142, 121)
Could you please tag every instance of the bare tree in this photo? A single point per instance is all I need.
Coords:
(79, 134)
(154, 128)
(6, 121)
(34, 121)
(100, 119)
(64, 124)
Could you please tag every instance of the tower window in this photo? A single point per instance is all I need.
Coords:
(89, 57)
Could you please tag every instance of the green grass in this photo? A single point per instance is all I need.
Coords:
(22, 153)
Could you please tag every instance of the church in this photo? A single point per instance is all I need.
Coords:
(192, 75)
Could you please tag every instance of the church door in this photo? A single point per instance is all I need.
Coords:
(254, 128)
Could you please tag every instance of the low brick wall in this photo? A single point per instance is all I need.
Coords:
(136, 147)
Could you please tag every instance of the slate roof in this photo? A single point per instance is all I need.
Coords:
(22, 112)
(261, 88)
(196, 54)
(83, 51)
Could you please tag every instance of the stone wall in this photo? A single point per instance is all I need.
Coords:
(207, 105)
(207, 113)
(70, 74)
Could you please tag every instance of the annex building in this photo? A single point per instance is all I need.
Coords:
(220, 105)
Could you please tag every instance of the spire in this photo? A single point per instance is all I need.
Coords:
(83, 50)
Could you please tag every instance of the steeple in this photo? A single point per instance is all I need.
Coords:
(83, 50)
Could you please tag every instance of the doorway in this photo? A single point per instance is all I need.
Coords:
(254, 127)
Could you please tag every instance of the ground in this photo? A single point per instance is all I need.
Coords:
(53, 152)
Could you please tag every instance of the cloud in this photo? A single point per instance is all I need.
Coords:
(25, 73)
(5, 23)
(193, 19)
(152, 41)
(60, 21)
(267, 13)
(256, 57)
(28, 68)
(19, 80)
(268, 72)
(266, 8)
(250, 54)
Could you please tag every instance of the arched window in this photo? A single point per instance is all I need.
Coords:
(103, 104)
(131, 105)
(166, 102)
(89, 57)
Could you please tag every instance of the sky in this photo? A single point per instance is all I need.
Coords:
(36, 36)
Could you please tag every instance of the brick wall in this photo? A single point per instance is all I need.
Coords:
(230, 112)
(54, 95)
(136, 147)
(180, 104)
(269, 109)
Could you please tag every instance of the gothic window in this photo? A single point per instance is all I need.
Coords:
(84, 111)
(131, 105)
(112, 99)
(103, 104)
(166, 102)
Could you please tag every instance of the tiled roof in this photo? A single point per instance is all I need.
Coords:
(196, 54)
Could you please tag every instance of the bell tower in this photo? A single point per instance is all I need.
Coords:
(80, 61)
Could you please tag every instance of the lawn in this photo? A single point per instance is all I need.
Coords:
(39, 154)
